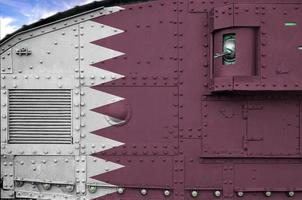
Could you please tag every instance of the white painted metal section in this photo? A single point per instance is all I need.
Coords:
(61, 58)
(6, 62)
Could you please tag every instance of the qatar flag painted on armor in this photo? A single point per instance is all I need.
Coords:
(155, 100)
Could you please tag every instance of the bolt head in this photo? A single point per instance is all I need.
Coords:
(194, 193)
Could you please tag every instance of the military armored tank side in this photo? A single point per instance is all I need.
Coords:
(155, 100)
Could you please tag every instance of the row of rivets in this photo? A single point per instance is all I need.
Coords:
(241, 194)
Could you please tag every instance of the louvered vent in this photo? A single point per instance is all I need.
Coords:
(40, 116)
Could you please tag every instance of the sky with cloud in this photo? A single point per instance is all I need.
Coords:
(15, 13)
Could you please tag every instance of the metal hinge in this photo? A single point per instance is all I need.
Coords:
(23, 52)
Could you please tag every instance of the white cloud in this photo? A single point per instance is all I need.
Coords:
(37, 12)
(6, 26)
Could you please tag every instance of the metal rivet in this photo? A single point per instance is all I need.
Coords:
(291, 194)
(167, 193)
(19, 183)
(194, 193)
(120, 190)
(46, 186)
(144, 192)
(217, 193)
(240, 194)
(69, 188)
(92, 188)
(268, 194)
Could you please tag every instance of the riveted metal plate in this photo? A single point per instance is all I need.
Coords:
(39, 149)
(48, 66)
(139, 135)
(7, 172)
(6, 62)
(80, 174)
(4, 114)
(193, 72)
(36, 191)
(261, 177)
(280, 135)
(45, 169)
(134, 174)
(197, 6)
(223, 120)
(146, 62)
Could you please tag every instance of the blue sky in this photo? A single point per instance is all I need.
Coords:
(15, 13)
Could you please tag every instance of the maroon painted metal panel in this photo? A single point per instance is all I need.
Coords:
(148, 131)
(185, 133)
(266, 47)
(147, 60)
(224, 128)
(278, 136)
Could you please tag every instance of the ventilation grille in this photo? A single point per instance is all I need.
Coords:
(40, 116)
